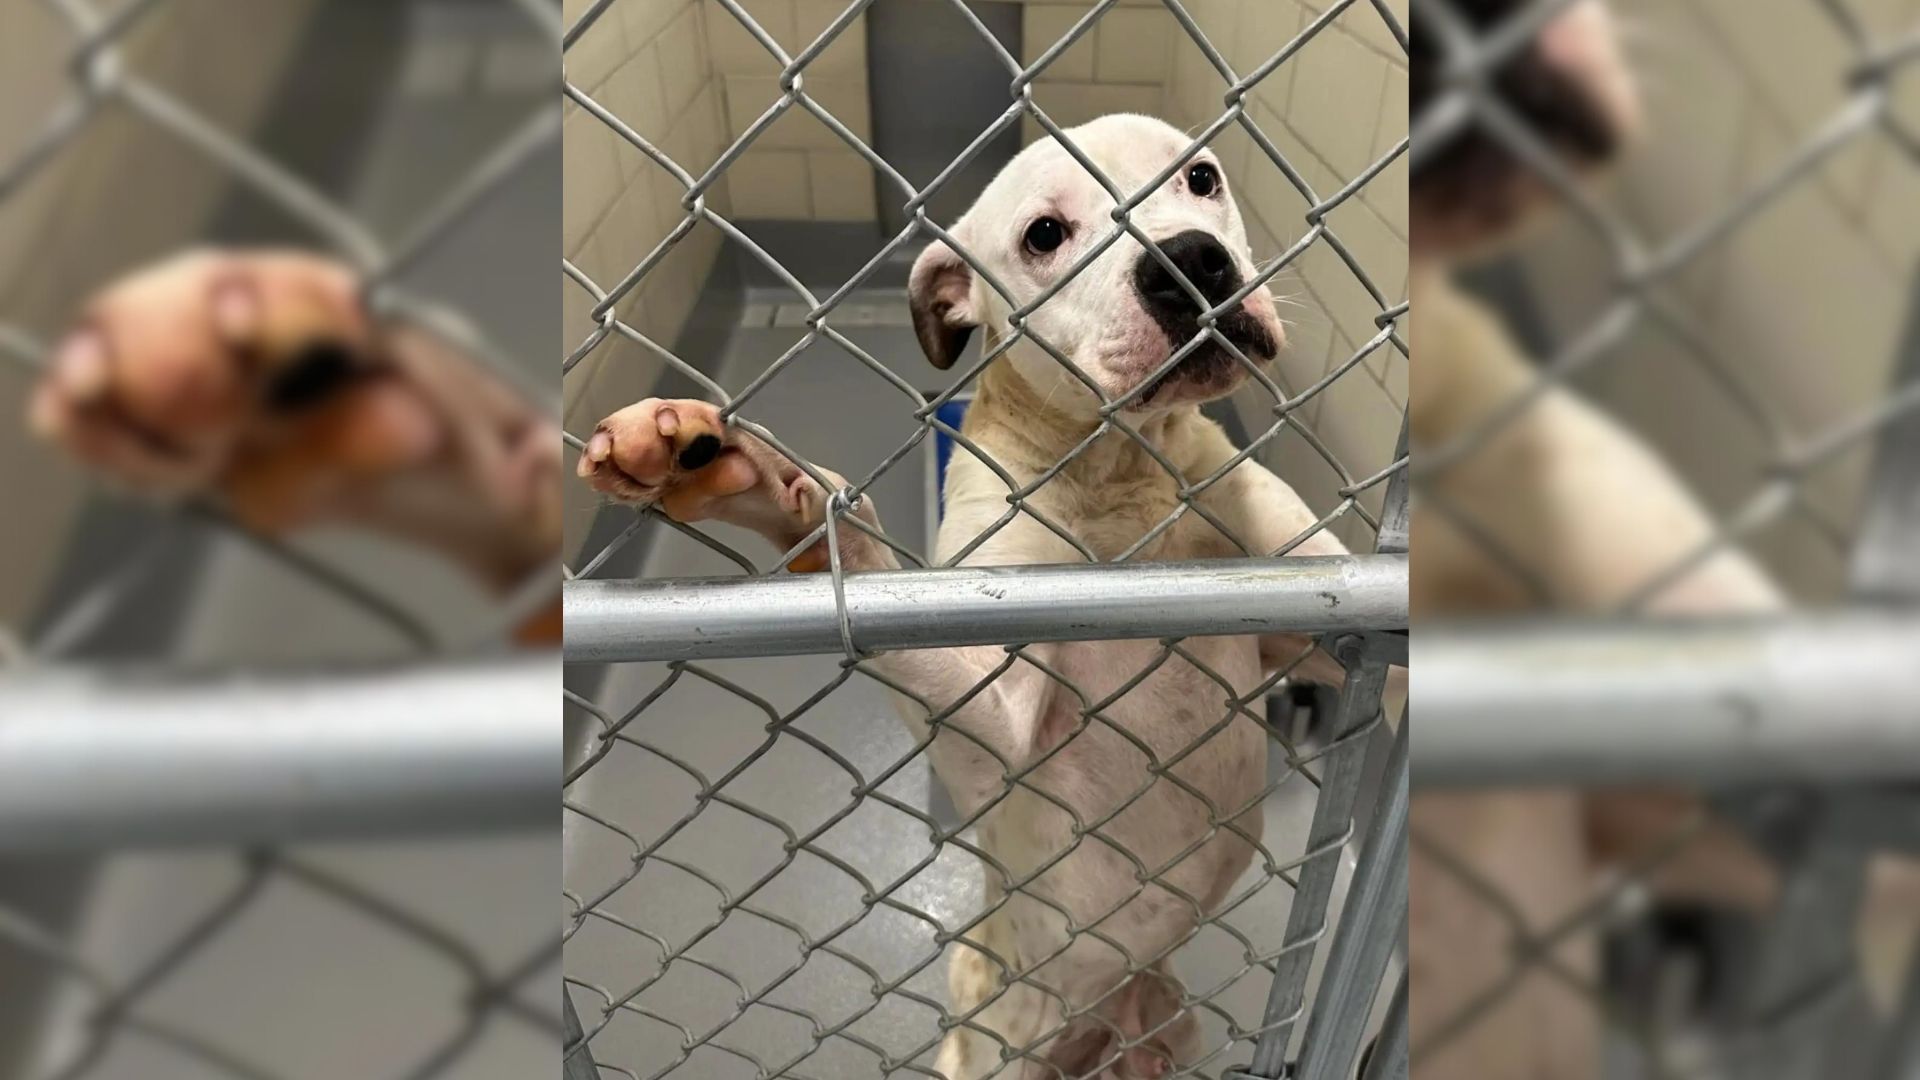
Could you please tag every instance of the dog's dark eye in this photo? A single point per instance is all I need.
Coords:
(1045, 234)
(1203, 180)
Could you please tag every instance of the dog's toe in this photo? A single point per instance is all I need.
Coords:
(676, 454)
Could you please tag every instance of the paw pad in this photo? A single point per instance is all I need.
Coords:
(700, 452)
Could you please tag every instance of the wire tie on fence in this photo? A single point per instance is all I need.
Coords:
(838, 504)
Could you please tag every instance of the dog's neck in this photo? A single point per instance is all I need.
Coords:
(1009, 411)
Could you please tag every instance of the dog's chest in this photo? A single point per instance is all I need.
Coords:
(1158, 698)
(1141, 516)
(1166, 751)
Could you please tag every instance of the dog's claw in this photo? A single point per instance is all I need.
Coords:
(660, 450)
(600, 447)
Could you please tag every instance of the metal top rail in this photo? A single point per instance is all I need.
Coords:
(88, 762)
(1794, 699)
(616, 621)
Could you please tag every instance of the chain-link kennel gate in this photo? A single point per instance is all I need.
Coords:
(763, 877)
(202, 871)
(1742, 297)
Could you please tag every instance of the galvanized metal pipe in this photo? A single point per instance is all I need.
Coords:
(611, 621)
(90, 761)
(1389, 1060)
(577, 1065)
(1307, 919)
(1819, 698)
(1373, 923)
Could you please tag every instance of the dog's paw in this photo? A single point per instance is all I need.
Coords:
(680, 456)
(674, 454)
(244, 375)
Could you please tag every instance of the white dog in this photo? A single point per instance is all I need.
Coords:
(1034, 993)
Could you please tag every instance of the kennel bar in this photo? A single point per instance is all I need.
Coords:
(786, 615)
(1288, 1005)
(90, 761)
(1390, 1060)
(1373, 924)
(1805, 698)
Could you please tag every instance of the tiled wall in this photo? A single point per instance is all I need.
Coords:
(1333, 109)
(798, 169)
(1805, 301)
(1121, 64)
(649, 63)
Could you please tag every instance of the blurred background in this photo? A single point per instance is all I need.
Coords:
(1794, 323)
(705, 942)
(1734, 290)
(128, 131)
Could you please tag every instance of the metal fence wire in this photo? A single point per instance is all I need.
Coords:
(1713, 729)
(779, 892)
(106, 774)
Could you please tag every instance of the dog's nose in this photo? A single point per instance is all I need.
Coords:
(1203, 259)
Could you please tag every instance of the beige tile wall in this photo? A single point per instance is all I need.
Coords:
(1806, 301)
(649, 63)
(1121, 64)
(798, 169)
(1333, 109)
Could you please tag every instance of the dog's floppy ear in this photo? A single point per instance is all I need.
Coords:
(940, 289)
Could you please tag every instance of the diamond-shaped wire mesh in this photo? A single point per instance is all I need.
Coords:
(764, 876)
(1736, 303)
(203, 963)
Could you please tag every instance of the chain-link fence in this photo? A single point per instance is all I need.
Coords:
(177, 893)
(763, 875)
(1739, 303)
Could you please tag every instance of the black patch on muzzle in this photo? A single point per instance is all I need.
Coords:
(1210, 267)
(1473, 162)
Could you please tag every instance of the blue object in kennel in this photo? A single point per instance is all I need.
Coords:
(950, 414)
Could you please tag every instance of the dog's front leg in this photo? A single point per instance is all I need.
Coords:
(681, 458)
(1264, 515)
(257, 380)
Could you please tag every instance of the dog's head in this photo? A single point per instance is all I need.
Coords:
(1121, 316)
(1567, 85)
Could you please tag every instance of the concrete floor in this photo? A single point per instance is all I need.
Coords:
(702, 885)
